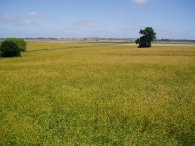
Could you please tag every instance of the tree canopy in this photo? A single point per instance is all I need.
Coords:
(20, 43)
(148, 36)
(10, 48)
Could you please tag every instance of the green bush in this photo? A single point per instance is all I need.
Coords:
(20, 43)
(10, 48)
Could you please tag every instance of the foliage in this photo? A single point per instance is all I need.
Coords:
(0, 44)
(20, 43)
(9, 49)
(148, 36)
(98, 94)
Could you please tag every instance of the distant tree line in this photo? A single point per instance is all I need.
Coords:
(176, 40)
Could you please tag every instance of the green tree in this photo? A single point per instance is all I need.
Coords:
(9, 48)
(148, 36)
(20, 43)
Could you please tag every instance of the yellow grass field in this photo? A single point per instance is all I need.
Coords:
(61, 93)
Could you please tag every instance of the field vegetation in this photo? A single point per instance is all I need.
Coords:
(98, 94)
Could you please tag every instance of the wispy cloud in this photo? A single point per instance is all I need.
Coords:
(14, 20)
(84, 24)
(84, 28)
(8, 18)
(140, 2)
(26, 22)
(33, 13)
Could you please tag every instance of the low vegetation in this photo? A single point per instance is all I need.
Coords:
(98, 94)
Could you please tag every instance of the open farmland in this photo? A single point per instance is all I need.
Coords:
(98, 94)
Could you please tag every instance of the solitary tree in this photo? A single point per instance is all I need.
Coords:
(148, 36)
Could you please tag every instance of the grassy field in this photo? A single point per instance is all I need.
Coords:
(98, 94)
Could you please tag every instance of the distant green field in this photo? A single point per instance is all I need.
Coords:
(98, 94)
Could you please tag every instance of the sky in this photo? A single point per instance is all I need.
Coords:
(170, 19)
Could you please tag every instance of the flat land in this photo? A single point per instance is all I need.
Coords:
(98, 94)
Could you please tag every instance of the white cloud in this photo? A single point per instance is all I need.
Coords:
(8, 18)
(33, 13)
(84, 24)
(140, 1)
(83, 28)
(14, 20)
(26, 22)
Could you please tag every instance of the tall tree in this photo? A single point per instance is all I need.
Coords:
(148, 36)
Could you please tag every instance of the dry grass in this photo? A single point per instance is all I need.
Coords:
(98, 94)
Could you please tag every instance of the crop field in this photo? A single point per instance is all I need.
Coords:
(98, 94)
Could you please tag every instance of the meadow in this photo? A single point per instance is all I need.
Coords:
(98, 94)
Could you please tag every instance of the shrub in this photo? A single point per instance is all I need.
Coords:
(9, 48)
(20, 43)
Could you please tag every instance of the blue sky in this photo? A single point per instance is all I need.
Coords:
(174, 19)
